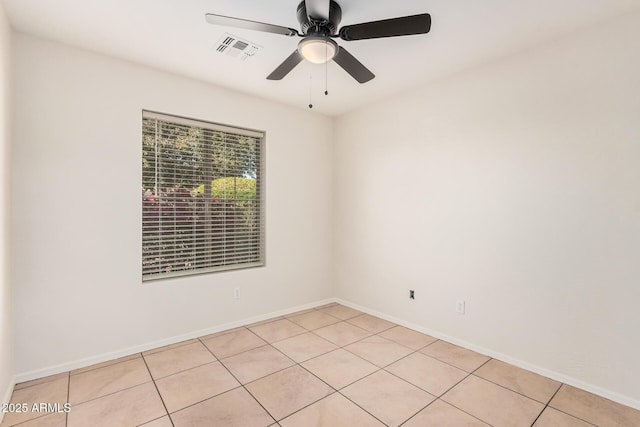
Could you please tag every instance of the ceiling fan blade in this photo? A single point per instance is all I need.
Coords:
(404, 26)
(352, 66)
(285, 68)
(317, 10)
(249, 25)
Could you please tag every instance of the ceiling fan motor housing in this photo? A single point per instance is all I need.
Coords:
(320, 26)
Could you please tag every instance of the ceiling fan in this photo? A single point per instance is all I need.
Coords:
(319, 21)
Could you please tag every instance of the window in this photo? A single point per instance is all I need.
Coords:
(202, 207)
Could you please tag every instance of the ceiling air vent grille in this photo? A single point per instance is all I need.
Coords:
(236, 47)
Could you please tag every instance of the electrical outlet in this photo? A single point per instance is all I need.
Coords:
(460, 306)
(236, 293)
(412, 294)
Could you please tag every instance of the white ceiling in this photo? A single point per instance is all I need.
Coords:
(173, 35)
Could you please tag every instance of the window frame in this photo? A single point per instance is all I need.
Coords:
(260, 189)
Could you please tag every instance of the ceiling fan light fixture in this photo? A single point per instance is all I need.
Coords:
(318, 49)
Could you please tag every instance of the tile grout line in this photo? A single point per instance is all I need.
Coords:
(360, 357)
(426, 391)
(37, 384)
(157, 390)
(42, 415)
(338, 390)
(358, 405)
(155, 419)
(304, 368)
(113, 392)
(390, 373)
(513, 391)
(413, 416)
(472, 373)
(335, 390)
(546, 405)
(108, 363)
(559, 410)
(234, 377)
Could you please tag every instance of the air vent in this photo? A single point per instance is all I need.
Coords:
(236, 47)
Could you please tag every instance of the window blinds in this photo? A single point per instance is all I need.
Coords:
(202, 205)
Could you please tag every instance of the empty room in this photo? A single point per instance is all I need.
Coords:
(319, 213)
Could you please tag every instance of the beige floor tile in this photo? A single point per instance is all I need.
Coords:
(519, 380)
(130, 407)
(379, 351)
(169, 347)
(48, 392)
(322, 307)
(332, 411)
(371, 323)
(341, 312)
(107, 363)
(102, 381)
(330, 304)
(178, 359)
(554, 418)
(262, 322)
(233, 343)
(342, 333)
(256, 363)
(41, 380)
(314, 320)
(388, 398)
(217, 334)
(440, 413)
(288, 391)
(160, 422)
(51, 420)
(235, 408)
(493, 404)
(278, 330)
(407, 337)
(594, 409)
(339, 368)
(457, 356)
(298, 313)
(427, 373)
(304, 347)
(195, 385)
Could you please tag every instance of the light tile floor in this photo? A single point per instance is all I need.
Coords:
(330, 366)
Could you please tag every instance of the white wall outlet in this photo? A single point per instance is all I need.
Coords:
(236, 293)
(460, 306)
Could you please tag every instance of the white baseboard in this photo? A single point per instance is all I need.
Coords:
(82, 363)
(607, 394)
(6, 397)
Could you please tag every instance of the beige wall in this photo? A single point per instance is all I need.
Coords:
(6, 326)
(514, 187)
(77, 209)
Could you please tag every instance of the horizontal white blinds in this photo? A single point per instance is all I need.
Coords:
(202, 206)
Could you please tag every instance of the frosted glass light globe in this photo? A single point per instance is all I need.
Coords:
(317, 50)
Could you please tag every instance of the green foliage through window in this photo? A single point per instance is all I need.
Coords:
(200, 198)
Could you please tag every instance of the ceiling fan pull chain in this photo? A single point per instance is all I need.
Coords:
(326, 69)
(310, 91)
